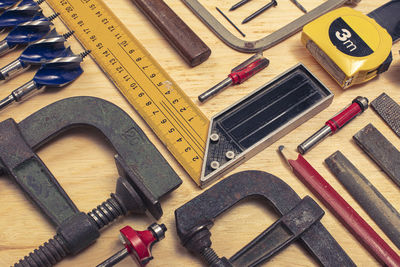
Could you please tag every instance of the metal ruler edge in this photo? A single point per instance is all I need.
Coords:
(170, 113)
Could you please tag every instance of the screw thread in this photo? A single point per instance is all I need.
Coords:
(209, 255)
(68, 34)
(52, 17)
(85, 53)
(46, 255)
(107, 212)
(39, 2)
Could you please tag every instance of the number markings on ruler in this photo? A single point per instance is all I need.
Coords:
(175, 119)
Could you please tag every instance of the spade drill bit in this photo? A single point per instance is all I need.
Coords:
(54, 74)
(6, 4)
(26, 33)
(19, 14)
(37, 53)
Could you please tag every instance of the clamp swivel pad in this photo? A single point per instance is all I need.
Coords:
(300, 220)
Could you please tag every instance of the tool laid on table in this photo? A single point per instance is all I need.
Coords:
(37, 53)
(6, 4)
(260, 11)
(380, 150)
(347, 215)
(139, 187)
(55, 73)
(239, 4)
(239, 74)
(264, 43)
(299, 6)
(352, 47)
(230, 21)
(170, 113)
(300, 221)
(20, 14)
(357, 106)
(255, 122)
(138, 244)
(388, 110)
(369, 198)
(189, 46)
(26, 33)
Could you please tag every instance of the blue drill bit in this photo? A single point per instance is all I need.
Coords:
(26, 33)
(37, 53)
(5, 4)
(54, 74)
(19, 14)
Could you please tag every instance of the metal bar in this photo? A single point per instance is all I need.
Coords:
(380, 150)
(270, 40)
(389, 111)
(369, 198)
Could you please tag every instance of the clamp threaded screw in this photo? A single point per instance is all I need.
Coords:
(107, 212)
(55, 249)
(209, 255)
(46, 255)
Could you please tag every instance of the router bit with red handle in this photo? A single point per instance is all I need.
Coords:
(358, 106)
(137, 243)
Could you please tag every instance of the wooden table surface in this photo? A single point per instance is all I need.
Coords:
(83, 163)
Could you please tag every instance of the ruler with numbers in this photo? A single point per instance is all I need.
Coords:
(171, 114)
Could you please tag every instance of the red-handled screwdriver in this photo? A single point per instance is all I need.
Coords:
(238, 75)
(357, 107)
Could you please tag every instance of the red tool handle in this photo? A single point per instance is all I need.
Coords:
(241, 75)
(347, 114)
(350, 218)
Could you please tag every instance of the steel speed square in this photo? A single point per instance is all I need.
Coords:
(256, 121)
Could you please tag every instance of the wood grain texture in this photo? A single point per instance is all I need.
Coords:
(83, 162)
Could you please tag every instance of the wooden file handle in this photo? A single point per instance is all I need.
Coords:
(191, 48)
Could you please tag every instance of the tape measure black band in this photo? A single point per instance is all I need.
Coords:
(388, 16)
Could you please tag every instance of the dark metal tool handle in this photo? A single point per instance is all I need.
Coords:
(191, 48)
(280, 234)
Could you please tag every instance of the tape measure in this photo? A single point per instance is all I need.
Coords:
(351, 46)
(170, 113)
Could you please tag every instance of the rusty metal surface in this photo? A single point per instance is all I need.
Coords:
(32, 175)
(372, 142)
(153, 177)
(369, 198)
(197, 215)
(389, 111)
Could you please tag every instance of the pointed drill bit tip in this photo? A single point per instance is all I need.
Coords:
(85, 53)
(52, 17)
(68, 34)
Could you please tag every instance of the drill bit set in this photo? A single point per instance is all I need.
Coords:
(44, 47)
(206, 149)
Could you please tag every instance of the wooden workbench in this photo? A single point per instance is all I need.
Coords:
(83, 163)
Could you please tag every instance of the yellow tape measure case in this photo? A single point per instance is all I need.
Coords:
(352, 47)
